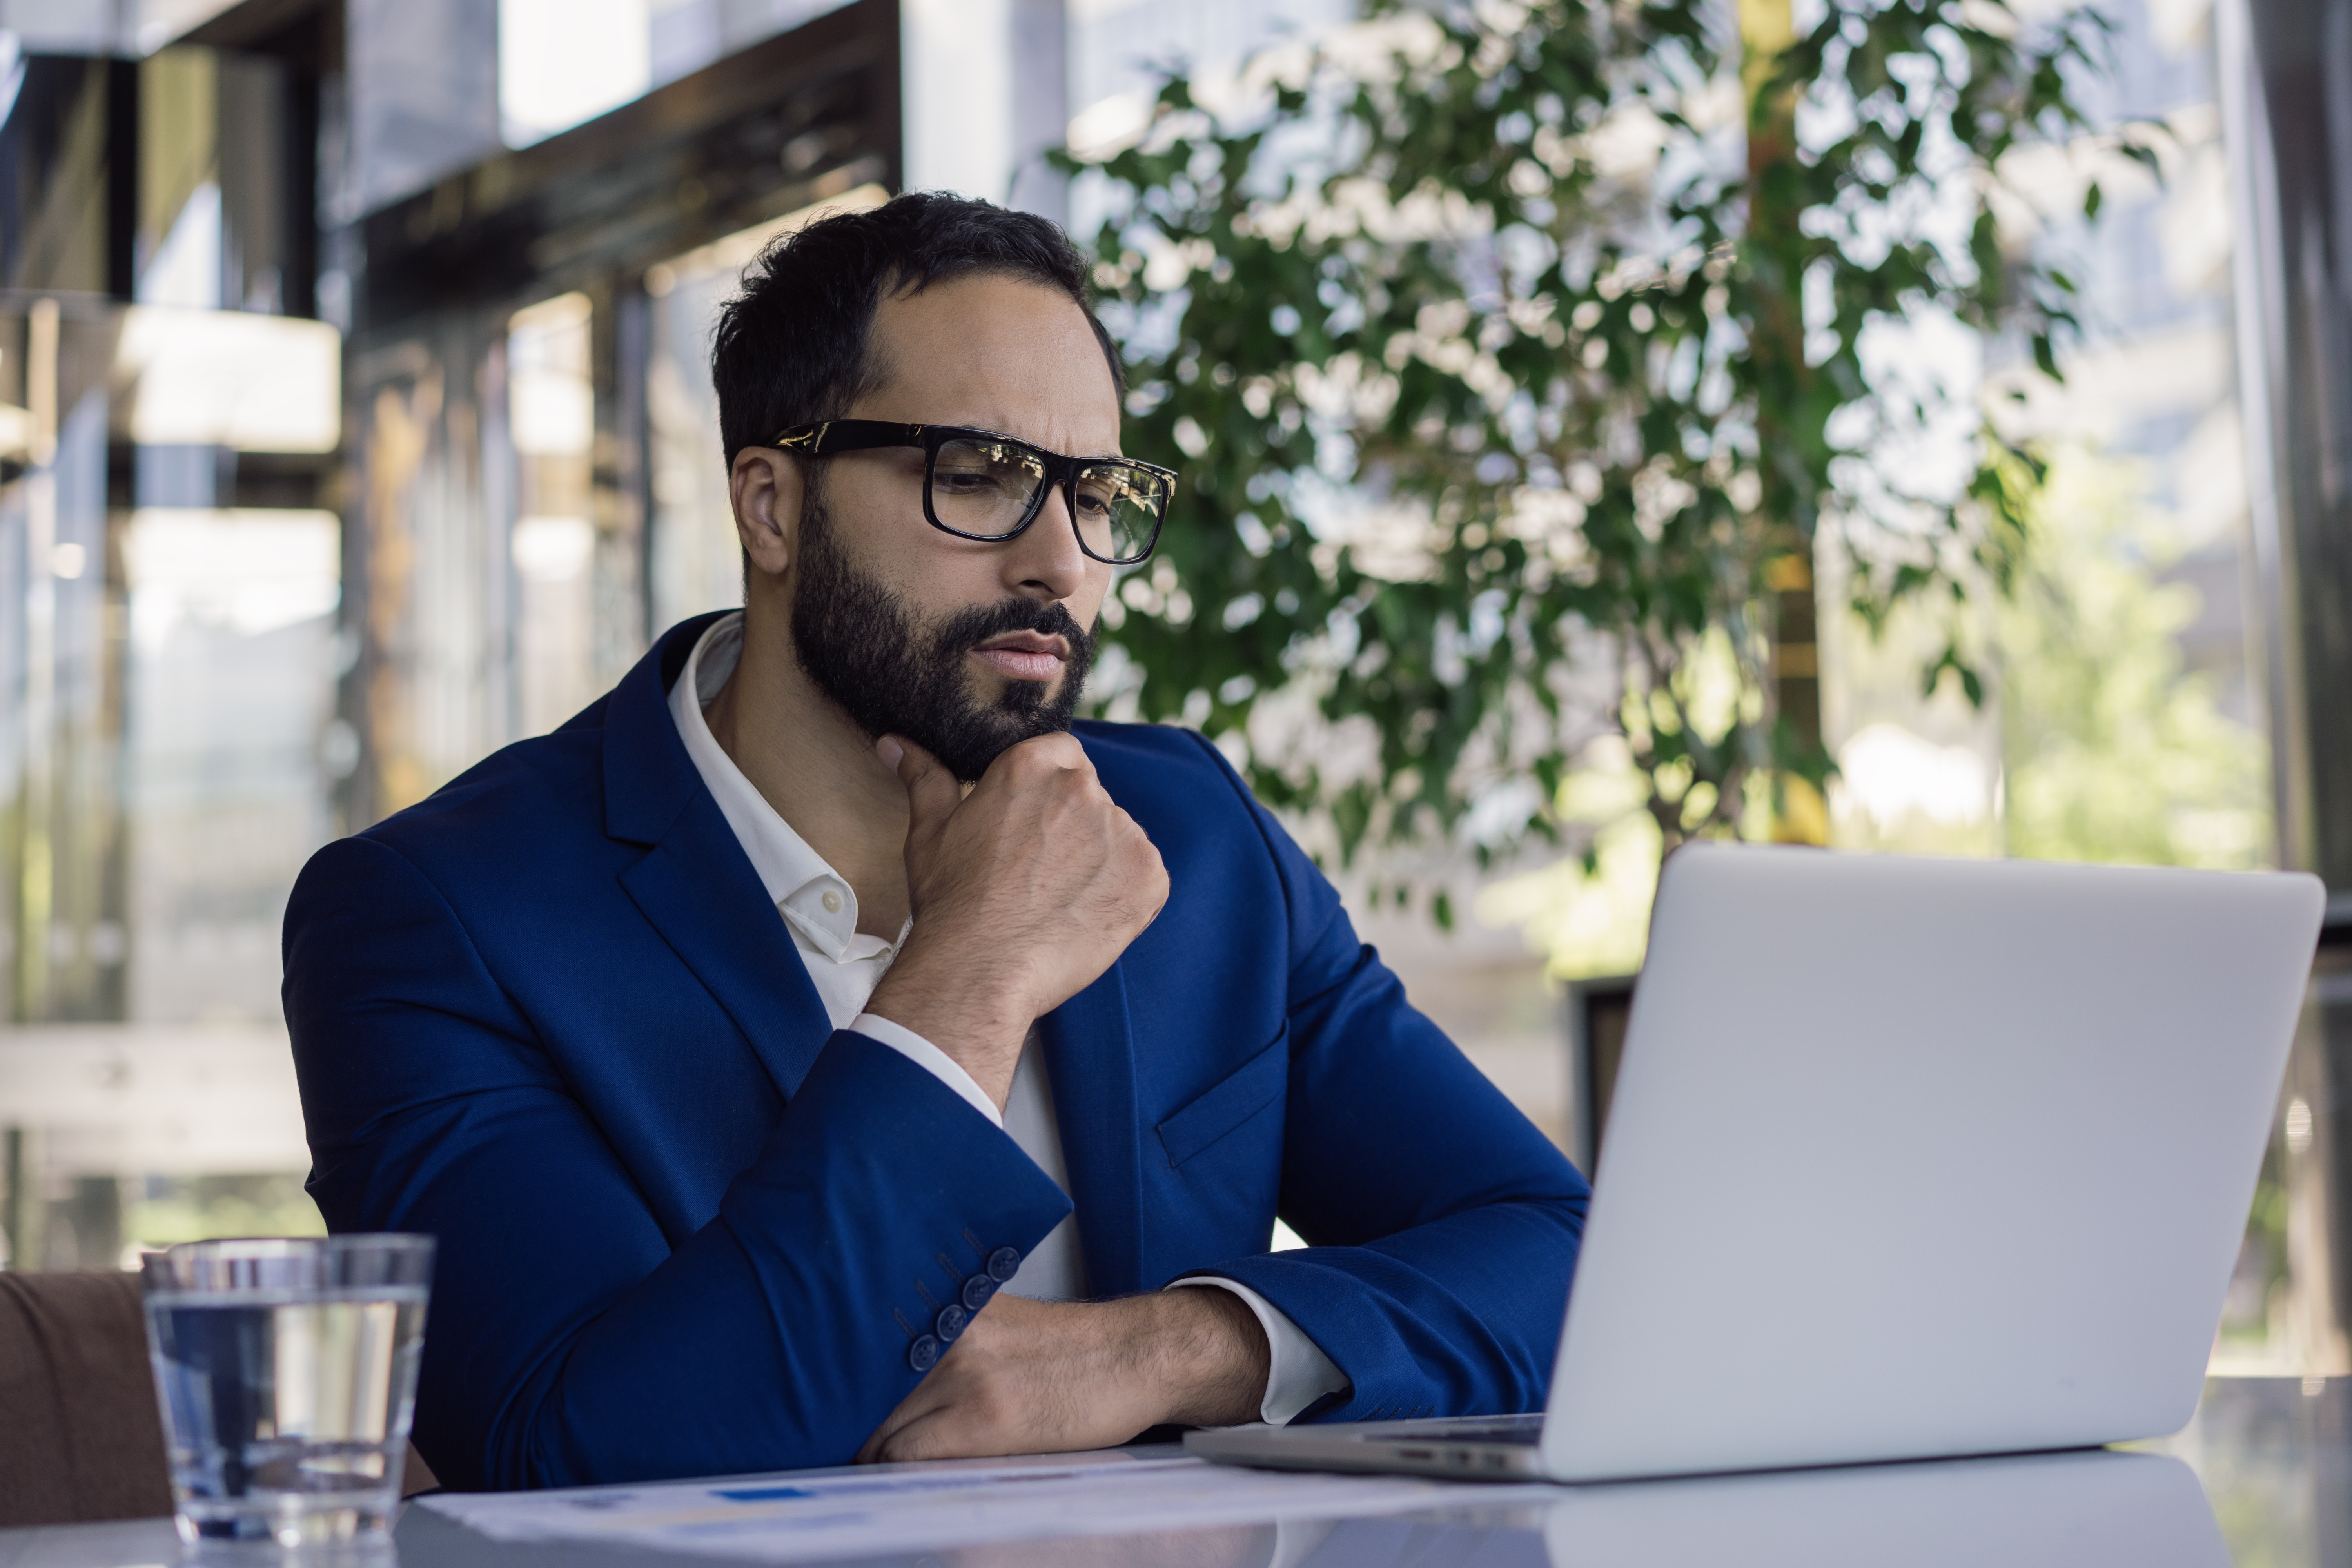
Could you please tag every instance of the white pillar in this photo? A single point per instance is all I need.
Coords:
(985, 91)
(957, 78)
(424, 84)
(1041, 104)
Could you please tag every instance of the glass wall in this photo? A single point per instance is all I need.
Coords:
(564, 61)
(270, 577)
(170, 579)
(229, 689)
(551, 422)
(694, 563)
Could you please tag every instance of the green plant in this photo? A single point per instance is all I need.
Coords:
(2114, 751)
(1511, 343)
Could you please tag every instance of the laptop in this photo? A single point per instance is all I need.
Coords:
(1906, 1158)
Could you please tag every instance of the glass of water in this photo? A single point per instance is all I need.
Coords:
(287, 1370)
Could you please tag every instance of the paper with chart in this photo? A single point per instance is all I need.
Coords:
(813, 1515)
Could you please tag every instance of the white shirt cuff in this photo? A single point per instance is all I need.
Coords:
(1298, 1373)
(932, 1060)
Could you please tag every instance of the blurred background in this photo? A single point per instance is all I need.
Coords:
(356, 419)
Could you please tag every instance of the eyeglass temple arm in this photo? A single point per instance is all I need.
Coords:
(815, 440)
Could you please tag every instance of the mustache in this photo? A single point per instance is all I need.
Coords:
(977, 623)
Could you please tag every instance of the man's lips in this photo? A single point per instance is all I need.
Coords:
(1024, 656)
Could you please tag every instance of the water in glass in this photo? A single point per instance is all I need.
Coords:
(287, 1372)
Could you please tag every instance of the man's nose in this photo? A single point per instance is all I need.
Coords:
(1046, 562)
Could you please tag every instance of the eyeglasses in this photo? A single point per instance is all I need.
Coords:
(977, 484)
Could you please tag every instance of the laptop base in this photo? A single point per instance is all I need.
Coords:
(1465, 1449)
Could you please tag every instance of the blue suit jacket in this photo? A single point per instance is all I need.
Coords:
(550, 1016)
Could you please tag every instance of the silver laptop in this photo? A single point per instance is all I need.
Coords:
(1906, 1158)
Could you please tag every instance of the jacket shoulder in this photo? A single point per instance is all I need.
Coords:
(1170, 779)
(1155, 762)
(548, 789)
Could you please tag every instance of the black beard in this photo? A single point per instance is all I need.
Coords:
(895, 675)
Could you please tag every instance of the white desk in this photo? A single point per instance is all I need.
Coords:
(2268, 1482)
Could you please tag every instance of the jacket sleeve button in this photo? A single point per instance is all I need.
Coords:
(951, 1323)
(924, 1353)
(976, 1291)
(1004, 1263)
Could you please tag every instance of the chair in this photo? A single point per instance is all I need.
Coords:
(80, 1439)
(1598, 1014)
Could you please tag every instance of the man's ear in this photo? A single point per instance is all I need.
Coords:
(765, 488)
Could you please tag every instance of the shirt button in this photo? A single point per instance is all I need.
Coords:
(832, 901)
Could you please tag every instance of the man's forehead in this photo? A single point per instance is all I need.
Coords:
(999, 351)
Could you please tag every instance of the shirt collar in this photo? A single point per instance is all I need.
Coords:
(818, 900)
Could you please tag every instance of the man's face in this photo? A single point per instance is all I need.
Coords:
(964, 647)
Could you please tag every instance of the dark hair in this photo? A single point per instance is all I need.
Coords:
(791, 349)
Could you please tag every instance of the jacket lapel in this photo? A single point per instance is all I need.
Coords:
(1090, 1061)
(697, 888)
(696, 884)
(700, 891)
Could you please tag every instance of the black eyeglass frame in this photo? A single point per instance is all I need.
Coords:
(829, 436)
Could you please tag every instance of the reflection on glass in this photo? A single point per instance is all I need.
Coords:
(2072, 1509)
(550, 413)
(228, 378)
(2097, 1507)
(1227, 1546)
(564, 61)
(231, 682)
(61, 758)
(696, 563)
(2268, 1451)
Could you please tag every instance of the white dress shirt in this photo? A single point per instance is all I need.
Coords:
(820, 909)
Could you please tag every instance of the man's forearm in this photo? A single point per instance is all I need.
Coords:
(980, 1027)
(1033, 1377)
(1214, 1357)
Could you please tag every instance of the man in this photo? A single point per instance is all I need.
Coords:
(749, 1041)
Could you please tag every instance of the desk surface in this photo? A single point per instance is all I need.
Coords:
(2267, 1484)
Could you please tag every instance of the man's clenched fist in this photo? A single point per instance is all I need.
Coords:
(1023, 892)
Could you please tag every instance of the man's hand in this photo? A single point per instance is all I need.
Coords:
(1023, 892)
(1044, 1377)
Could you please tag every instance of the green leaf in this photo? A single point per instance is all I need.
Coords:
(1591, 366)
(2045, 357)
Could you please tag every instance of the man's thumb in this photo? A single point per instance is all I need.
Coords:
(931, 792)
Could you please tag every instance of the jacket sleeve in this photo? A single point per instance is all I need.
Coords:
(569, 1341)
(1442, 1226)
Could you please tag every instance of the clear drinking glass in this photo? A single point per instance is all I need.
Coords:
(286, 1371)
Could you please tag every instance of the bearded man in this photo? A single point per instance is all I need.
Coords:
(822, 1048)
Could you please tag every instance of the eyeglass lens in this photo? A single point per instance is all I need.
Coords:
(984, 489)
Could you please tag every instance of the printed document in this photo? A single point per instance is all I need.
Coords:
(819, 1514)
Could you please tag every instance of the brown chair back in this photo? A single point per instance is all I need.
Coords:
(81, 1438)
